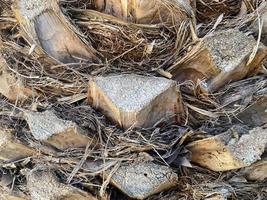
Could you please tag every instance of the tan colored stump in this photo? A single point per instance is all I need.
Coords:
(45, 25)
(224, 57)
(135, 101)
(48, 128)
(229, 151)
(141, 180)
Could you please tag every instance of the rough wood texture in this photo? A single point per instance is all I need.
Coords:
(43, 185)
(141, 180)
(222, 58)
(45, 25)
(133, 100)
(12, 150)
(48, 128)
(257, 171)
(142, 11)
(229, 151)
(11, 86)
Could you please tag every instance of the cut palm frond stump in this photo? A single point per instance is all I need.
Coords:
(229, 150)
(133, 99)
(44, 185)
(46, 26)
(141, 180)
(136, 101)
(48, 128)
(221, 58)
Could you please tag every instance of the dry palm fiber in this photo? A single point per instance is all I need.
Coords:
(210, 9)
(143, 46)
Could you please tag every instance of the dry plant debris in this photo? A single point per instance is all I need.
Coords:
(124, 99)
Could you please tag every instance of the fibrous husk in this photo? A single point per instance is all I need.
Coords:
(45, 26)
(210, 9)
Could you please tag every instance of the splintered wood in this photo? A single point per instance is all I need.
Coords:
(43, 185)
(48, 128)
(229, 150)
(11, 149)
(44, 24)
(135, 101)
(141, 180)
(222, 57)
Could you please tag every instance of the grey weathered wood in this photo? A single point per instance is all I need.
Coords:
(135, 101)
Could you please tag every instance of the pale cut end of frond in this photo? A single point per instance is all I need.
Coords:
(222, 58)
(229, 150)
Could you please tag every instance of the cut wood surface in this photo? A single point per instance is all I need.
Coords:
(11, 149)
(223, 57)
(135, 101)
(141, 180)
(45, 25)
(43, 185)
(229, 151)
(48, 128)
